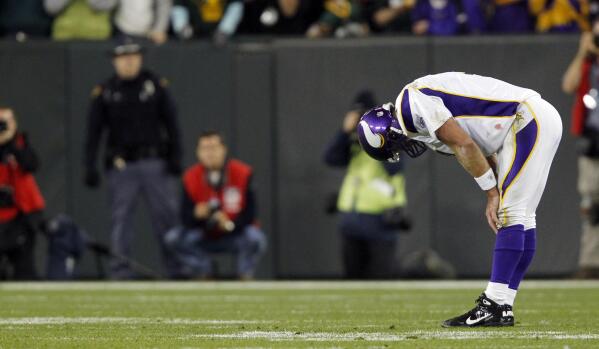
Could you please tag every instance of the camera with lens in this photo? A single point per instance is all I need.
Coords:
(3, 126)
(212, 222)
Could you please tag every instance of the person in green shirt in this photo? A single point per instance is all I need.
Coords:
(80, 19)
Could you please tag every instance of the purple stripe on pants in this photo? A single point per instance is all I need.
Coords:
(525, 143)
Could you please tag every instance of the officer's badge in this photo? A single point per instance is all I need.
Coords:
(148, 90)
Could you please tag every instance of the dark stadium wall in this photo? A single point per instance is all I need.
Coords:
(278, 104)
(253, 135)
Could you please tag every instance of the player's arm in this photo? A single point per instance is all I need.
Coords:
(474, 162)
(466, 151)
(492, 160)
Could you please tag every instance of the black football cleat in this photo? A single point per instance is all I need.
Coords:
(506, 318)
(485, 313)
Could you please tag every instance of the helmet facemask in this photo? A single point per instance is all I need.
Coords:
(399, 141)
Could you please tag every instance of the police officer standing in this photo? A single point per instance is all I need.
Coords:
(143, 149)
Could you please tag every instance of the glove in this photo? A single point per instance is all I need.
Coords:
(174, 167)
(92, 178)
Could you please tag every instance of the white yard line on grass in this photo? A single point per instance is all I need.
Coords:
(390, 337)
(121, 320)
(284, 285)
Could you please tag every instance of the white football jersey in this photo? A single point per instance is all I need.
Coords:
(484, 107)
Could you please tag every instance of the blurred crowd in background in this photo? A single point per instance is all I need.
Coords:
(219, 20)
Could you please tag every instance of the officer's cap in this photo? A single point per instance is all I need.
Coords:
(126, 46)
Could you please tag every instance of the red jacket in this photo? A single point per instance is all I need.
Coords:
(579, 111)
(232, 196)
(26, 194)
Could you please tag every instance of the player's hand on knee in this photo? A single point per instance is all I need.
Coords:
(492, 208)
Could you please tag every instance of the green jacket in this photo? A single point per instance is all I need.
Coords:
(368, 187)
(79, 21)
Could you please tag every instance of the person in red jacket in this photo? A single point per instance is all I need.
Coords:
(582, 79)
(21, 203)
(218, 213)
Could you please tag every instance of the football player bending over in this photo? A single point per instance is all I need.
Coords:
(505, 137)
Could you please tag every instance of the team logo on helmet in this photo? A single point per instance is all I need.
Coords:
(375, 140)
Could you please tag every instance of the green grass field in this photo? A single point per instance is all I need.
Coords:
(549, 314)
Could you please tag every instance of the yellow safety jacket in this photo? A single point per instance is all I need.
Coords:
(368, 188)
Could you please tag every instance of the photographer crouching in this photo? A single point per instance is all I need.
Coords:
(21, 203)
(218, 212)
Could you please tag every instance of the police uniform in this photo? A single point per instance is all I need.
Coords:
(142, 151)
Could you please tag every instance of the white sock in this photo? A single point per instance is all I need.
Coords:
(497, 292)
(510, 296)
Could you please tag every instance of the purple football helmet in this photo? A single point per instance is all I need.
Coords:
(382, 137)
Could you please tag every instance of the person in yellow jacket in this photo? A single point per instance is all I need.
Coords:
(371, 201)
